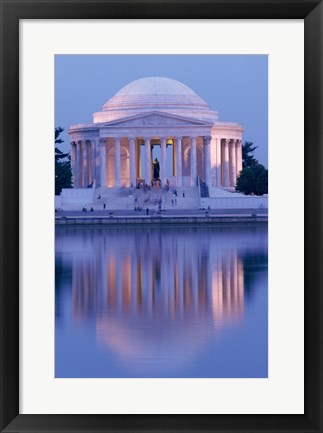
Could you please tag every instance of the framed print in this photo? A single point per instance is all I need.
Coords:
(161, 262)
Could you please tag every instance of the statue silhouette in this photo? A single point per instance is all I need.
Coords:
(156, 168)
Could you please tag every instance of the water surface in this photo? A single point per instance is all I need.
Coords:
(172, 302)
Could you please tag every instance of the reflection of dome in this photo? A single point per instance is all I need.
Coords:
(155, 94)
(147, 346)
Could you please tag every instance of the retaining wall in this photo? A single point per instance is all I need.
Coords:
(245, 202)
(161, 221)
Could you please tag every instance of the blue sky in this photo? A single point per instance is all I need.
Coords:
(234, 85)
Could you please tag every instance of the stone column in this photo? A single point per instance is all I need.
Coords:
(207, 152)
(147, 161)
(79, 164)
(103, 165)
(73, 161)
(232, 158)
(85, 165)
(174, 158)
(97, 161)
(117, 181)
(239, 155)
(163, 173)
(139, 159)
(226, 162)
(218, 163)
(179, 180)
(93, 160)
(193, 161)
(213, 160)
(132, 162)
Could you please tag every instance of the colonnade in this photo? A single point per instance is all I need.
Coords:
(229, 158)
(222, 160)
(84, 162)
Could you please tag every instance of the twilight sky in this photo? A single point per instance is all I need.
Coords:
(234, 85)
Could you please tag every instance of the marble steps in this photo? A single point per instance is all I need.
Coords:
(219, 192)
(123, 199)
(114, 199)
(190, 201)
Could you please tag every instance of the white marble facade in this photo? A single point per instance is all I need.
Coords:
(117, 148)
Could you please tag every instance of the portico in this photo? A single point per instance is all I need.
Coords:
(120, 157)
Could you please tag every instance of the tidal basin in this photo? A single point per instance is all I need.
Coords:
(177, 302)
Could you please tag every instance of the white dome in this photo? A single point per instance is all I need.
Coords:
(155, 94)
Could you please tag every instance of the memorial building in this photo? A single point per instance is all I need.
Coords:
(156, 130)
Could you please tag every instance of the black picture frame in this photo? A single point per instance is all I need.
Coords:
(11, 12)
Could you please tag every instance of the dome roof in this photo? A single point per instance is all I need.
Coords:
(155, 94)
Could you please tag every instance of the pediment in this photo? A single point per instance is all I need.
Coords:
(155, 119)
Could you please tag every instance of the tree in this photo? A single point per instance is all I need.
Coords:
(253, 180)
(262, 181)
(63, 171)
(247, 159)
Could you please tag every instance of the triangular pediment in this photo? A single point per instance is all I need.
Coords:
(155, 119)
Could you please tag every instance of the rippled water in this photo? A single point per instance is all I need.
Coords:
(171, 302)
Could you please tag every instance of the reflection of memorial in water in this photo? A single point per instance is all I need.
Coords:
(157, 295)
(160, 302)
(159, 275)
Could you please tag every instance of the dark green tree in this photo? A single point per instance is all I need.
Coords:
(247, 159)
(63, 171)
(253, 180)
(261, 180)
